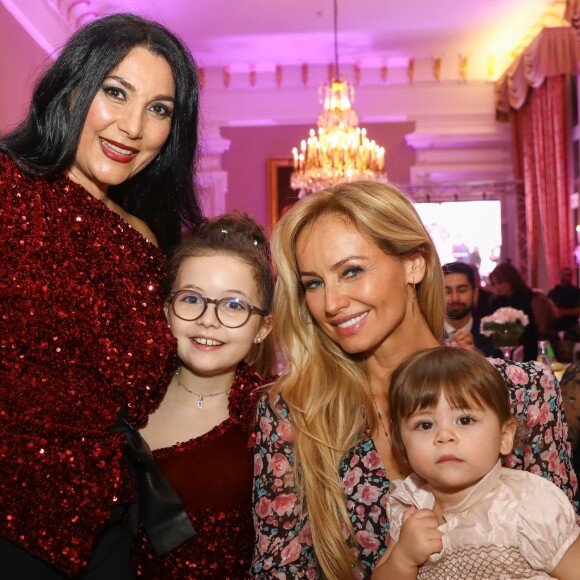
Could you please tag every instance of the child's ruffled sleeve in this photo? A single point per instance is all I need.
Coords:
(546, 526)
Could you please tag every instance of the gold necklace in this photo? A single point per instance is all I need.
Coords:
(200, 396)
(385, 432)
(380, 419)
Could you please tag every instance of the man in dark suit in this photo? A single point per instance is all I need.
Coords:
(461, 322)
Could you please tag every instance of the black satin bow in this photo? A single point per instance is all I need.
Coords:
(159, 508)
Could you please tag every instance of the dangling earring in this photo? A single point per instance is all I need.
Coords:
(414, 299)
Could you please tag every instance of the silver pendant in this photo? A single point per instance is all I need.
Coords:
(200, 403)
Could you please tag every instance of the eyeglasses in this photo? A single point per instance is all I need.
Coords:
(231, 312)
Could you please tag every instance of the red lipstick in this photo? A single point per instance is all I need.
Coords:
(116, 155)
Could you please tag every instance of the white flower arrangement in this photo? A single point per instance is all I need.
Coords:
(504, 319)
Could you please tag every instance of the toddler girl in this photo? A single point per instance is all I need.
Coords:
(461, 514)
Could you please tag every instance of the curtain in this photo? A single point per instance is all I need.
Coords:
(534, 93)
(541, 150)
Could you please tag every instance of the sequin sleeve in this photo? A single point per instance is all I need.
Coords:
(543, 448)
(283, 542)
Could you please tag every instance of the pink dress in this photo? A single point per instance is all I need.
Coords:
(513, 524)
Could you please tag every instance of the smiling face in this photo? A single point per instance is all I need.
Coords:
(205, 347)
(127, 124)
(460, 297)
(360, 296)
(454, 448)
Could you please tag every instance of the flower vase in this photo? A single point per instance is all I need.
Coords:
(506, 338)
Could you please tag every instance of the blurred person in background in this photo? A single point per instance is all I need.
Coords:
(511, 290)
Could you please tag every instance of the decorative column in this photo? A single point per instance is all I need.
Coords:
(211, 178)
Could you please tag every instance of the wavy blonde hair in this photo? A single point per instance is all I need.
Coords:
(325, 388)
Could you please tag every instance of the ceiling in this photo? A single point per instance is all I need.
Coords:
(265, 33)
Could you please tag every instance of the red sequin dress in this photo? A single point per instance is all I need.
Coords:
(82, 336)
(212, 475)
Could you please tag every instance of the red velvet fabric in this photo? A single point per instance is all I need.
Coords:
(541, 155)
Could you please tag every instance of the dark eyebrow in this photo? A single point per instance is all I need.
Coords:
(336, 266)
(131, 88)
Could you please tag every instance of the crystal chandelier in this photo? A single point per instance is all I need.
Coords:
(340, 150)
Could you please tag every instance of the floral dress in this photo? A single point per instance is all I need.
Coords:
(284, 542)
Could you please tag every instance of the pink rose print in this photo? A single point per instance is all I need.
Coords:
(305, 536)
(553, 460)
(517, 375)
(289, 524)
(369, 494)
(278, 464)
(548, 435)
(375, 511)
(545, 413)
(284, 430)
(291, 552)
(265, 426)
(351, 479)
(548, 382)
(284, 503)
(268, 563)
(258, 464)
(560, 431)
(535, 469)
(372, 460)
(367, 541)
(263, 543)
(528, 457)
(533, 416)
(263, 507)
(562, 472)
(383, 500)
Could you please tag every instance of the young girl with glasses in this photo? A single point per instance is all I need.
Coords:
(461, 514)
(220, 294)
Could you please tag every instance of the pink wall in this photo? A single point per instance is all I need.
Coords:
(247, 160)
(23, 61)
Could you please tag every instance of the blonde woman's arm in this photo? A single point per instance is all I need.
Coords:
(283, 540)
(536, 400)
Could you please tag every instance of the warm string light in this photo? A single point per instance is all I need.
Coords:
(340, 150)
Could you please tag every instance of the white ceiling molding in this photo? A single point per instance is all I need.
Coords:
(76, 13)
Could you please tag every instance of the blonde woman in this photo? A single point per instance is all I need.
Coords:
(359, 289)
